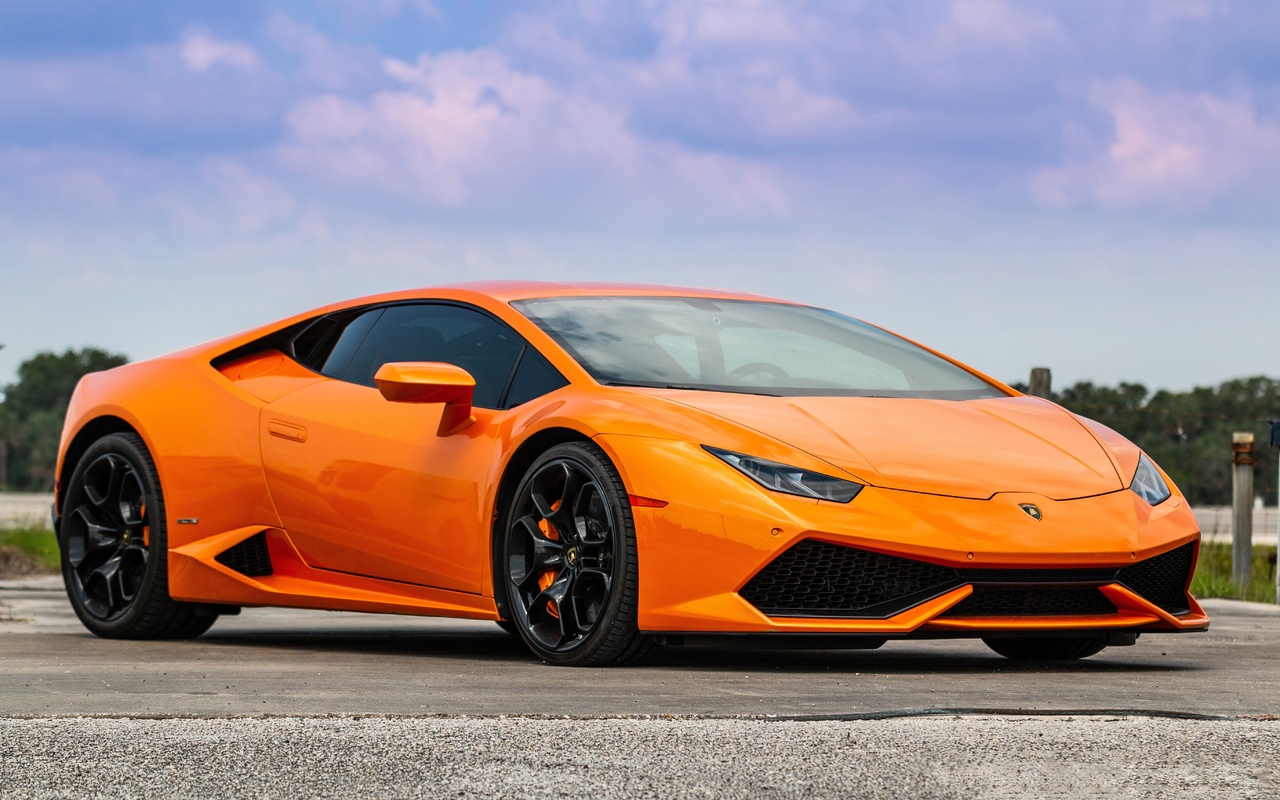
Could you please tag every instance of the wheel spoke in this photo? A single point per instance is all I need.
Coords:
(132, 571)
(103, 484)
(553, 491)
(539, 555)
(588, 595)
(88, 537)
(591, 516)
(102, 584)
(132, 499)
(547, 618)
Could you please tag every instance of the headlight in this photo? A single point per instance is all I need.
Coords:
(788, 480)
(1148, 483)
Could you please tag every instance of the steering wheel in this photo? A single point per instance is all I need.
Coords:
(757, 368)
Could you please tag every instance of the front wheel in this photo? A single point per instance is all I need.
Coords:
(569, 559)
(114, 546)
(1046, 648)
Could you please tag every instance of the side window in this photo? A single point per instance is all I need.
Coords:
(335, 343)
(534, 377)
(479, 344)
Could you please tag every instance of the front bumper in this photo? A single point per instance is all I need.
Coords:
(719, 531)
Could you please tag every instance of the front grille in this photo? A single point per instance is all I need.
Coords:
(996, 575)
(821, 579)
(1039, 601)
(250, 557)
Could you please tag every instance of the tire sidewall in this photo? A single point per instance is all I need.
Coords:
(132, 451)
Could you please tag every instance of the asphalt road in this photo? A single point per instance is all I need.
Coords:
(997, 757)
(281, 661)
(300, 703)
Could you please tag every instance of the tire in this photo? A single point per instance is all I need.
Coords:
(1047, 649)
(568, 561)
(115, 547)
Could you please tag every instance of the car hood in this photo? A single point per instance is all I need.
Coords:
(972, 448)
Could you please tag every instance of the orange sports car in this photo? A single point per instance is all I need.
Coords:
(602, 469)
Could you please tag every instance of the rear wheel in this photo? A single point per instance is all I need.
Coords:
(1047, 649)
(569, 560)
(114, 546)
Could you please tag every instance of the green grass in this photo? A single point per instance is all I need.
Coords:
(38, 543)
(1213, 574)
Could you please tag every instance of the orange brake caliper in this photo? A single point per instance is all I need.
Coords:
(548, 577)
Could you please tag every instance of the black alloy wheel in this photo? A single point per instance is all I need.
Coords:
(1046, 648)
(114, 549)
(569, 557)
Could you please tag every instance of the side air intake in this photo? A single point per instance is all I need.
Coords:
(250, 558)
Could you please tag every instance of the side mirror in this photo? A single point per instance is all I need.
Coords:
(430, 382)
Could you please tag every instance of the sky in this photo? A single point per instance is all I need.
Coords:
(1086, 185)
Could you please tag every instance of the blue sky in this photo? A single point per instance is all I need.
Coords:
(1090, 186)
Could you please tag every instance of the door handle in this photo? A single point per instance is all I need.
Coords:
(285, 430)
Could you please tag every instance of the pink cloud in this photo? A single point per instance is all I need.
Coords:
(1166, 148)
(467, 128)
(201, 52)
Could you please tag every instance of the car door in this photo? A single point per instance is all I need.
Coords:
(368, 486)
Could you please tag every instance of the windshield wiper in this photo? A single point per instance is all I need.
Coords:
(689, 387)
(722, 389)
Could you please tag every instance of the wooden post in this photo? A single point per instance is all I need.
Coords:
(1242, 459)
(1041, 383)
(4, 465)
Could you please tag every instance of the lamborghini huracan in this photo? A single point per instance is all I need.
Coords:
(603, 469)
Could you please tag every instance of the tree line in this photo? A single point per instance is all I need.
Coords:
(33, 409)
(1186, 433)
(1189, 433)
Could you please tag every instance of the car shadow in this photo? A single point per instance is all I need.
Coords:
(903, 659)
(498, 645)
(895, 658)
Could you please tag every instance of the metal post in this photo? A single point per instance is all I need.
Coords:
(1243, 459)
(4, 464)
(1275, 442)
(1041, 383)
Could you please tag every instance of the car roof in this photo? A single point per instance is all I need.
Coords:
(507, 291)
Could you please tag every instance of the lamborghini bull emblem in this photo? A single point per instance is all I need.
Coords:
(1032, 510)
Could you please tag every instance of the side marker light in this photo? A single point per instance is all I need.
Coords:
(645, 502)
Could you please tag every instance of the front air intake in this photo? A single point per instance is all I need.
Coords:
(1038, 601)
(1163, 579)
(821, 579)
(250, 558)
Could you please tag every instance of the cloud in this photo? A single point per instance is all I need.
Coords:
(999, 22)
(1177, 11)
(200, 51)
(1167, 148)
(687, 113)
(467, 128)
(323, 62)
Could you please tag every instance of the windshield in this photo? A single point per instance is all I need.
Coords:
(744, 346)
